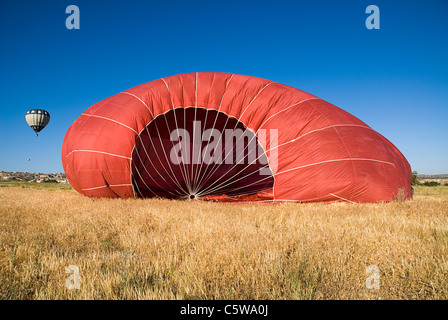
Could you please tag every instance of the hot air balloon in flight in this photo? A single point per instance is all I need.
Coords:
(37, 119)
(158, 139)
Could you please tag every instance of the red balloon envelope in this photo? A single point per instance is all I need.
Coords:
(229, 137)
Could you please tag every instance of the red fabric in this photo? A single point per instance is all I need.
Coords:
(324, 153)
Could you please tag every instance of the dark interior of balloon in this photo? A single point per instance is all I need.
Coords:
(192, 163)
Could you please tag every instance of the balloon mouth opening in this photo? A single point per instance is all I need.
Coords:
(200, 154)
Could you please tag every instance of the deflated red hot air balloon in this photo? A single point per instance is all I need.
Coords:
(229, 137)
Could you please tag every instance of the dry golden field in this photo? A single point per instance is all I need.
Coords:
(166, 249)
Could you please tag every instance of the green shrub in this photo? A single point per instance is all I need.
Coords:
(431, 183)
(414, 180)
(49, 181)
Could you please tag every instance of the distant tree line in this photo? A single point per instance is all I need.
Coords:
(415, 181)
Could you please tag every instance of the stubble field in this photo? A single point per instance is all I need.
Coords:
(166, 249)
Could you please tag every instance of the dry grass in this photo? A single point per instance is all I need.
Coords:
(163, 249)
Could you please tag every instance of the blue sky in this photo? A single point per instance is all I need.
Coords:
(395, 79)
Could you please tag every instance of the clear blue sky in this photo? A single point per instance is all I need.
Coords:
(395, 79)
